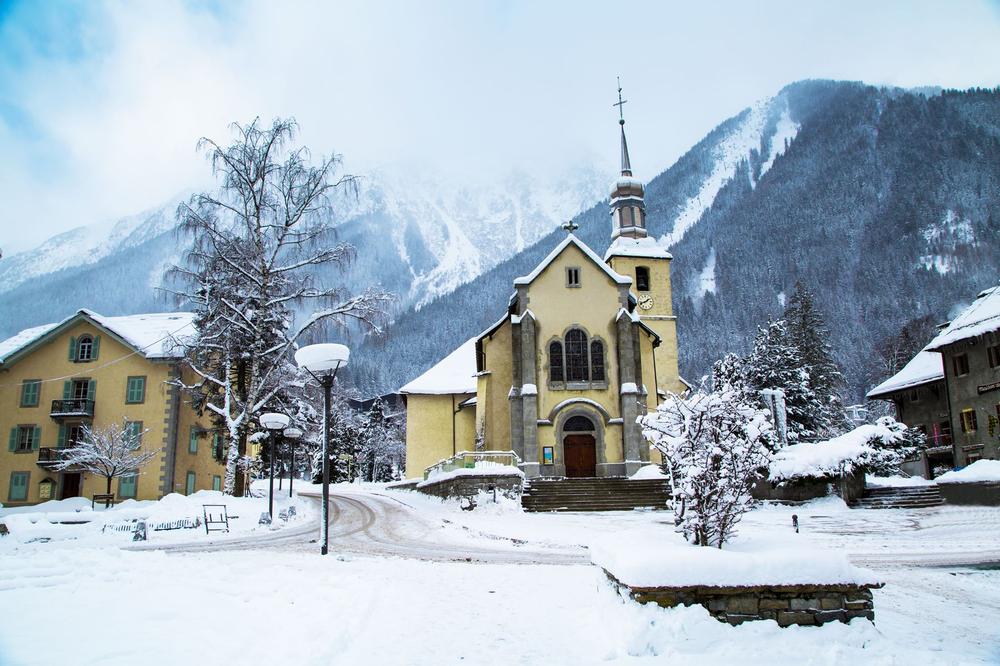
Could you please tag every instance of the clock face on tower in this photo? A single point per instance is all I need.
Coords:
(645, 301)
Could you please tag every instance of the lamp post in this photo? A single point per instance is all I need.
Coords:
(322, 362)
(274, 423)
(292, 435)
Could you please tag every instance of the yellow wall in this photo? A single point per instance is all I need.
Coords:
(493, 389)
(202, 463)
(50, 360)
(430, 420)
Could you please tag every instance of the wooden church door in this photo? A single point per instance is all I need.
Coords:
(580, 452)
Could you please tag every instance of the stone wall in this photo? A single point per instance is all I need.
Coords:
(983, 493)
(785, 604)
(469, 486)
(850, 488)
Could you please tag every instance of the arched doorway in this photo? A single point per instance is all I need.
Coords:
(579, 447)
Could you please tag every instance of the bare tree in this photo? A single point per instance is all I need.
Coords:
(109, 452)
(256, 243)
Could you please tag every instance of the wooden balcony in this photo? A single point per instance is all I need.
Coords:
(72, 409)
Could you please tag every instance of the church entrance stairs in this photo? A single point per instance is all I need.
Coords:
(594, 494)
(904, 497)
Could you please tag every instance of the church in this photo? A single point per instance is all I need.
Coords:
(586, 344)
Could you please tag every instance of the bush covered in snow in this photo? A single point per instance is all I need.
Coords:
(714, 446)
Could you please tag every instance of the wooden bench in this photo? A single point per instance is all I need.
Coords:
(107, 498)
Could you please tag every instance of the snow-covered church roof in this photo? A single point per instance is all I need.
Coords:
(923, 368)
(152, 334)
(455, 373)
(983, 316)
(571, 240)
(645, 247)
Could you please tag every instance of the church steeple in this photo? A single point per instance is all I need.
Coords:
(628, 210)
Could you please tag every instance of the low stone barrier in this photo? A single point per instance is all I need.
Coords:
(983, 493)
(468, 486)
(811, 604)
(849, 487)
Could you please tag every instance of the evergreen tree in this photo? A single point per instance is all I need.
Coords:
(809, 333)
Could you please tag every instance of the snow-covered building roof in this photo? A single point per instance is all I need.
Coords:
(572, 240)
(924, 368)
(151, 334)
(645, 247)
(983, 316)
(455, 373)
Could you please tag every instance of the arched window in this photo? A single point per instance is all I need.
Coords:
(578, 424)
(576, 356)
(556, 373)
(641, 278)
(85, 348)
(597, 361)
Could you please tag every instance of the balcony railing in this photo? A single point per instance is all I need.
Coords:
(474, 460)
(61, 408)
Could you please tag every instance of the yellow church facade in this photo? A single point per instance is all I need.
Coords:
(97, 371)
(587, 344)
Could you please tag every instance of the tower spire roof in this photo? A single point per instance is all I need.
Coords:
(626, 164)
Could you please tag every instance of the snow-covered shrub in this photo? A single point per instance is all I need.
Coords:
(714, 446)
(891, 445)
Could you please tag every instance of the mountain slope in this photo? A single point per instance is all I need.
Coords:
(884, 202)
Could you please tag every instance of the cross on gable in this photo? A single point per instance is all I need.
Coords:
(621, 102)
(570, 226)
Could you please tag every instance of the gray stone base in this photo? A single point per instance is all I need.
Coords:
(610, 469)
(785, 604)
(531, 469)
(556, 470)
(983, 493)
(632, 466)
(469, 487)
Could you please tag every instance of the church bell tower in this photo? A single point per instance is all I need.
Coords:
(634, 254)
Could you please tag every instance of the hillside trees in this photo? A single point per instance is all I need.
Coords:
(255, 244)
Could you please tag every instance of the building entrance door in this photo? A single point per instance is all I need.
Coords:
(70, 486)
(580, 452)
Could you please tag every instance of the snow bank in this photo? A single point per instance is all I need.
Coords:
(827, 459)
(647, 558)
(979, 471)
(648, 472)
(483, 467)
(896, 481)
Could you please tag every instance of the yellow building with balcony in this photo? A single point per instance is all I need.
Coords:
(95, 370)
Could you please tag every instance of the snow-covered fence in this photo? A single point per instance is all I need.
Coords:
(481, 460)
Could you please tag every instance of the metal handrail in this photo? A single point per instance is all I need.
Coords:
(469, 459)
(74, 407)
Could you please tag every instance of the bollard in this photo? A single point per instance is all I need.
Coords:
(265, 518)
(795, 522)
(283, 515)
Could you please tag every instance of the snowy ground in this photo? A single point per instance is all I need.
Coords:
(282, 601)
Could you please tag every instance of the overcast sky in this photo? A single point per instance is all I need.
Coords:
(101, 103)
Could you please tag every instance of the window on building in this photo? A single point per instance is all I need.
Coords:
(127, 486)
(576, 356)
(914, 395)
(189, 484)
(71, 434)
(993, 353)
(944, 433)
(30, 391)
(216, 482)
(193, 434)
(960, 363)
(80, 389)
(556, 371)
(18, 491)
(133, 430)
(597, 361)
(218, 450)
(969, 420)
(641, 278)
(573, 277)
(86, 348)
(135, 390)
(24, 438)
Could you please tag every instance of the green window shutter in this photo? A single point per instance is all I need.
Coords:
(96, 348)
(216, 483)
(19, 486)
(61, 441)
(193, 440)
(91, 389)
(12, 443)
(217, 445)
(36, 441)
(72, 349)
(67, 390)
(30, 390)
(189, 485)
(135, 390)
(126, 486)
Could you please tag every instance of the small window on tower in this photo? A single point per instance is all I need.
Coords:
(642, 278)
(572, 277)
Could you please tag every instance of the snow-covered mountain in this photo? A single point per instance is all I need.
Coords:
(429, 221)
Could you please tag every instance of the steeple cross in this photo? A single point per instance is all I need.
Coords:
(570, 227)
(620, 103)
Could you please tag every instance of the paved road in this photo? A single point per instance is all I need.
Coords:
(367, 524)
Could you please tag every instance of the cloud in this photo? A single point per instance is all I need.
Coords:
(101, 103)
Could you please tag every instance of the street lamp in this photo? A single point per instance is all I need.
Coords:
(322, 362)
(292, 435)
(274, 422)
